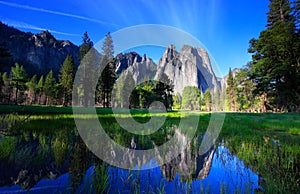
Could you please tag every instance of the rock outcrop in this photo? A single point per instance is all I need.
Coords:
(38, 53)
(189, 67)
(140, 68)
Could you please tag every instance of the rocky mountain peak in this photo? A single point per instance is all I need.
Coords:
(139, 67)
(190, 67)
(46, 35)
(144, 58)
(169, 54)
(38, 53)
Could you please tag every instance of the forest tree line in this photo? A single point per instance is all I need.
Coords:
(271, 80)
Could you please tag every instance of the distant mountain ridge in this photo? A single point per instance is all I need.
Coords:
(38, 53)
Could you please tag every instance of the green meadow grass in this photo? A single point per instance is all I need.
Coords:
(234, 123)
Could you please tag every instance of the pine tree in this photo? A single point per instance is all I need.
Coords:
(7, 89)
(216, 99)
(86, 45)
(19, 78)
(49, 87)
(207, 99)
(89, 61)
(246, 101)
(231, 94)
(108, 47)
(275, 59)
(108, 75)
(106, 83)
(124, 87)
(67, 78)
(279, 12)
(32, 87)
(40, 88)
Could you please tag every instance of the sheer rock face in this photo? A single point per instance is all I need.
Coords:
(141, 68)
(189, 67)
(189, 164)
(38, 53)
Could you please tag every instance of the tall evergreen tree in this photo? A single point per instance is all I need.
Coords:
(40, 88)
(223, 98)
(124, 85)
(108, 75)
(216, 99)
(19, 78)
(207, 99)
(279, 11)
(108, 47)
(32, 87)
(7, 90)
(231, 94)
(49, 87)
(67, 78)
(86, 45)
(245, 89)
(106, 83)
(275, 59)
(88, 68)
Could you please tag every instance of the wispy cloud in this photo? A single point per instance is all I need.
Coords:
(24, 25)
(56, 13)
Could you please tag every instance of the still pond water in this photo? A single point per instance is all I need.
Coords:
(57, 161)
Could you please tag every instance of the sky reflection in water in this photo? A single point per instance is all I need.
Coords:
(227, 173)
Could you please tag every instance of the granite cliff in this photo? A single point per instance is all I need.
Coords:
(189, 67)
(38, 53)
(140, 68)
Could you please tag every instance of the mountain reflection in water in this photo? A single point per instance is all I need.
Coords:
(62, 163)
(223, 172)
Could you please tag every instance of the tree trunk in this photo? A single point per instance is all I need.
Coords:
(17, 90)
(264, 102)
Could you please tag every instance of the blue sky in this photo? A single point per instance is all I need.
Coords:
(224, 27)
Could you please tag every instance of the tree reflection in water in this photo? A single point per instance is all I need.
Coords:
(59, 161)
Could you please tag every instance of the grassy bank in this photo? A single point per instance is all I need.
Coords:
(234, 124)
(50, 110)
